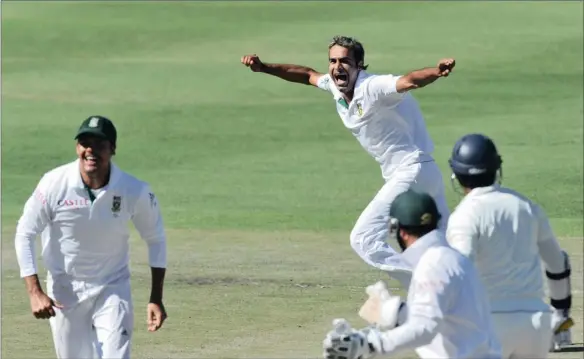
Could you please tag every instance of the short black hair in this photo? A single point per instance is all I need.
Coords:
(475, 181)
(354, 46)
(419, 231)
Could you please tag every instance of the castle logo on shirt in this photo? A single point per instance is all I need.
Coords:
(40, 196)
(116, 205)
(77, 203)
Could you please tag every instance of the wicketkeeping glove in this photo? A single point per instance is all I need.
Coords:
(344, 342)
(382, 309)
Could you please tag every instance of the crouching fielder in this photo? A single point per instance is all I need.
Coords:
(506, 235)
(82, 210)
(447, 313)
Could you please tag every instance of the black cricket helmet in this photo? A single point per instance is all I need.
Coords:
(475, 155)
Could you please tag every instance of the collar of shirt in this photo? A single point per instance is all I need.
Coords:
(413, 253)
(77, 182)
(483, 190)
(360, 78)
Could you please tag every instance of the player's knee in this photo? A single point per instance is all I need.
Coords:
(117, 345)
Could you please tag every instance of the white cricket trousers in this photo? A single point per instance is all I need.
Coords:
(523, 334)
(371, 231)
(99, 327)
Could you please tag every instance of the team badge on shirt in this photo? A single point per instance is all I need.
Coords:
(359, 109)
(116, 205)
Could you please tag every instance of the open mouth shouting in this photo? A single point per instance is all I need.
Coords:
(341, 79)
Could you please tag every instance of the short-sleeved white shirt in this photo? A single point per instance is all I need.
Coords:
(389, 125)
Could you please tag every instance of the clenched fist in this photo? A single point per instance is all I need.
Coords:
(42, 305)
(445, 66)
(156, 315)
(253, 62)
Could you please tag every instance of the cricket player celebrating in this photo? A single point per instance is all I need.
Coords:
(82, 210)
(387, 121)
(507, 236)
(447, 313)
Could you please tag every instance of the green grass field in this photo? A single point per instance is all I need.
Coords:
(259, 181)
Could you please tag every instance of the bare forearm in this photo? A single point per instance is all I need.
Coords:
(289, 72)
(418, 79)
(157, 284)
(33, 285)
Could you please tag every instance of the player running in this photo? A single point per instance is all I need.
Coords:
(507, 235)
(388, 123)
(447, 313)
(82, 210)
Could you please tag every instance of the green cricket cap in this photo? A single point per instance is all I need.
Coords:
(413, 208)
(98, 126)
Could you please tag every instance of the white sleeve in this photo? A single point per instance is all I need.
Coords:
(148, 221)
(35, 217)
(462, 232)
(384, 87)
(427, 299)
(549, 248)
(324, 82)
(556, 263)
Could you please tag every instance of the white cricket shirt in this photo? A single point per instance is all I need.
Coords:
(86, 246)
(506, 235)
(448, 314)
(389, 125)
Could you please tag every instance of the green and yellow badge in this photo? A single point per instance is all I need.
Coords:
(359, 109)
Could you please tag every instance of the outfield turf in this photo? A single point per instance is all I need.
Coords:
(259, 181)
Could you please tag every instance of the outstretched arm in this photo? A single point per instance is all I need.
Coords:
(289, 72)
(423, 77)
(393, 89)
